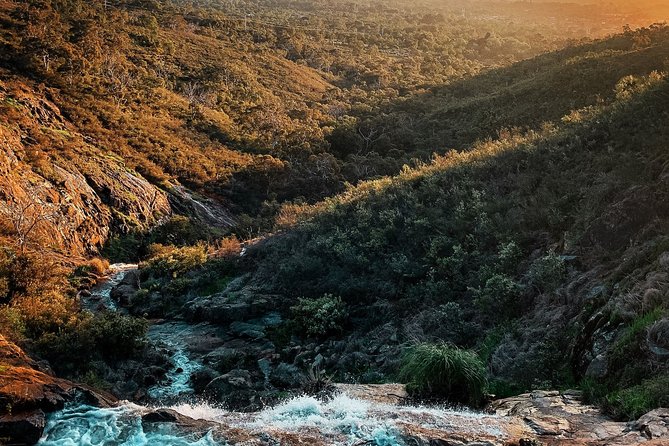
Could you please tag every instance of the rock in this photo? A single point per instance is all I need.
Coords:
(200, 378)
(227, 308)
(286, 376)
(547, 425)
(225, 359)
(126, 290)
(598, 367)
(251, 331)
(654, 425)
(87, 195)
(225, 384)
(23, 388)
(23, 428)
(181, 422)
(657, 339)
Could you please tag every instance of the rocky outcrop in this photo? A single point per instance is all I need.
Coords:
(67, 199)
(28, 393)
(558, 419)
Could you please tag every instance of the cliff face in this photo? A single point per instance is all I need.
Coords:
(58, 189)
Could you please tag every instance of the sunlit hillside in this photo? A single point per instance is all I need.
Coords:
(345, 222)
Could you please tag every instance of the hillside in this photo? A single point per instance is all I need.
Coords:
(318, 192)
(544, 251)
(256, 112)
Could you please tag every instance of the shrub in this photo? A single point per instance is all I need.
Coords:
(444, 371)
(11, 323)
(320, 317)
(43, 313)
(98, 266)
(633, 402)
(500, 296)
(173, 261)
(105, 336)
(547, 272)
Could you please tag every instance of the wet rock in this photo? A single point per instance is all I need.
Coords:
(23, 428)
(126, 290)
(230, 382)
(246, 330)
(181, 422)
(200, 378)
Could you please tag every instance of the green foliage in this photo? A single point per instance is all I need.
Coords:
(320, 317)
(500, 296)
(633, 402)
(173, 261)
(106, 336)
(445, 371)
(547, 272)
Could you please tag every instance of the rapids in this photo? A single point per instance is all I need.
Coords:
(341, 420)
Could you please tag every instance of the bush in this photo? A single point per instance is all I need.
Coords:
(173, 261)
(106, 336)
(444, 371)
(320, 317)
(631, 403)
(500, 297)
(547, 272)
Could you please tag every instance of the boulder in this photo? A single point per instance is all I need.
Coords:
(230, 382)
(22, 428)
(287, 376)
(180, 422)
(125, 291)
(654, 425)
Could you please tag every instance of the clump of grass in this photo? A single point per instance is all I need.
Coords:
(633, 402)
(444, 371)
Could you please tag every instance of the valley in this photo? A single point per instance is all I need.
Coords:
(344, 223)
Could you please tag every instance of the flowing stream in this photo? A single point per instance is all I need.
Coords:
(340, 420)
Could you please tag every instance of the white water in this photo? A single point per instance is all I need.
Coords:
(341, 421)
(101, 295)
(177, 382)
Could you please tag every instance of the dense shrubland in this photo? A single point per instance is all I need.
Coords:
(557, 176)
(513, 232)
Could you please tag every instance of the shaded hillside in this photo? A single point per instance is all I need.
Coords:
(521, 96)
(544, 251)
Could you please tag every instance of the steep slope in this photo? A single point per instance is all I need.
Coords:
(545, 251)
(59, 191)
(520, 96)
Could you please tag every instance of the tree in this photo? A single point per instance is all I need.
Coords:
(26, 219)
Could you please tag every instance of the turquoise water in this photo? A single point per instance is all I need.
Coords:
(89, 426)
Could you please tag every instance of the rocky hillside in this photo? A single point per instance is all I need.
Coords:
(543, 251)
(65, 200)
